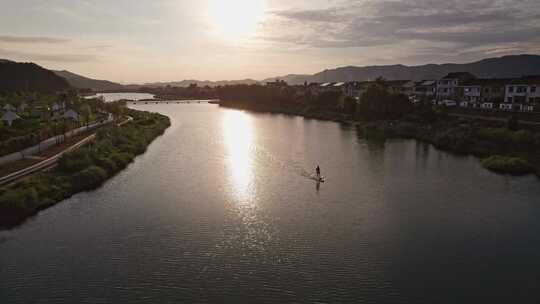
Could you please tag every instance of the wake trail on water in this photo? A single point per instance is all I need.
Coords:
(290, 165)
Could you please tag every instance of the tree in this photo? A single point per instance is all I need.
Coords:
(378, 103)
(349, 105)
(115, 108)
(86, 112)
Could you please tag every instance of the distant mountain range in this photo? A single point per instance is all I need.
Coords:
(81, 82)
(29, 76)
(502, 67)
(15, 76)
(186, 83)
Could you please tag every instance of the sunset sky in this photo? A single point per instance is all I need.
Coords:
(167, 40)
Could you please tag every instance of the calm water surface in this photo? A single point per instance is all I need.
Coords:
(221, 209)
(109, 97)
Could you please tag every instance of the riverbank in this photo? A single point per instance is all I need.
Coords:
(296, 110)
(84, 169)
(501, 148)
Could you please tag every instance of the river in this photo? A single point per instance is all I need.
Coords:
(221, 209)
(110, 97)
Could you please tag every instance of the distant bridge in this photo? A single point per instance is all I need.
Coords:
(139, 102)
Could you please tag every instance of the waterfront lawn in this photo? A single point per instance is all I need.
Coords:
(84, 169)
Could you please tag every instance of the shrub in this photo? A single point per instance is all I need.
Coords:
(508, 165)
(75, 161)
(24, 199)
(89, 178)
(122, 159)
(147, 122)
(500, 136)
(13, 199)
(523, 138)
(107, 163)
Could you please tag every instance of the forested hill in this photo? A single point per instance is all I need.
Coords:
(15, 76)
(81, 82)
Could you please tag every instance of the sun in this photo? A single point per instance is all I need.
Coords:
(236, 19)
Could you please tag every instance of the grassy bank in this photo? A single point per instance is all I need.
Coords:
(84, 169)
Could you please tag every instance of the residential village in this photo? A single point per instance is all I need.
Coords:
(55, 111)
(460, 89)
(28, 118)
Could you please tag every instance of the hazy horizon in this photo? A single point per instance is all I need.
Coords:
(214, 40)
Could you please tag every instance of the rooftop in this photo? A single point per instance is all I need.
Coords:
(460, 75)
(427, 82)
(397, 83)
(487, 82)
(531, 79)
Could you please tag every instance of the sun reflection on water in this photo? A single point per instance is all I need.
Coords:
(252, 234)
(238, 137)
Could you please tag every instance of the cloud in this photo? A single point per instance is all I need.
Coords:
(53, 57)
(456, 23)
(320, 15)
(30, 40)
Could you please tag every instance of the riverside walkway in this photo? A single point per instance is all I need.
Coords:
(51, 161)
(47, 143)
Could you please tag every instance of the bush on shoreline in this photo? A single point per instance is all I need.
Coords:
(497, 146)
(84, 169)
(507, 165)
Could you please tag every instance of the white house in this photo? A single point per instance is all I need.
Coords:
(56, 107)
(9, 117)
(8, 107)
(356, 89)
(332, 87)
(506, 106)
(340, 86)
(327, 87)
(447, 102)
(71, 114)
(447, 87)
(528, 108)
(523, 93)
(425, 90)
(471, 93)
(486, 105)
(405, 87)
(475, 92)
